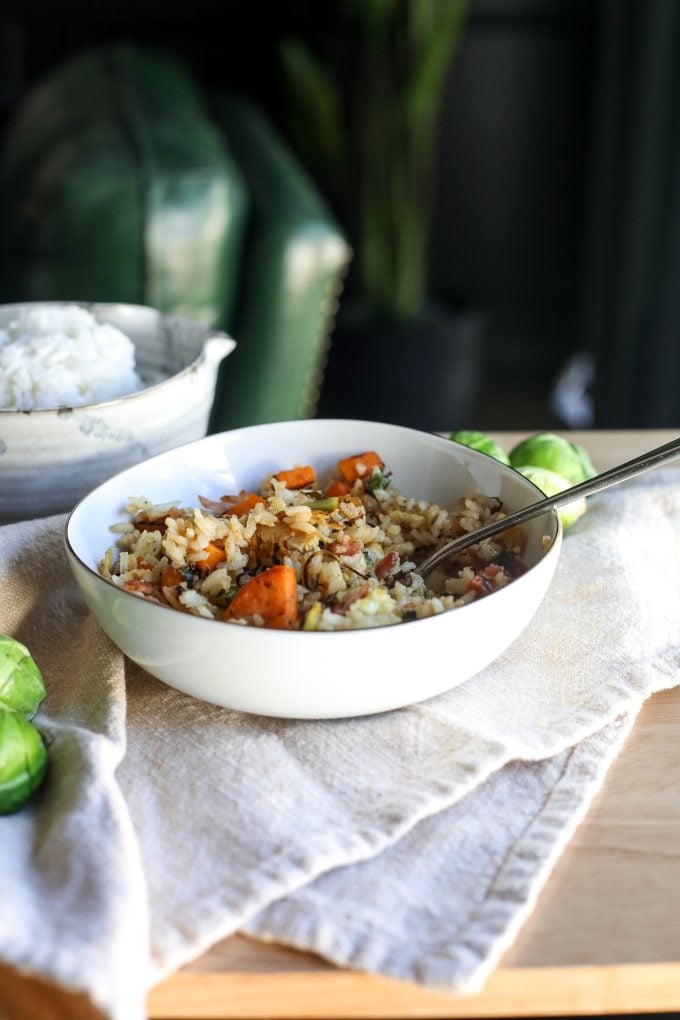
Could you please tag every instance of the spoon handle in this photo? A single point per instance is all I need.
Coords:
(613, 476)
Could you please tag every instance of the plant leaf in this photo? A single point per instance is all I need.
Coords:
(318, 110)
(436, 28)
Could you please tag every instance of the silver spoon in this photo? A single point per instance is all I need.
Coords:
(602, 481)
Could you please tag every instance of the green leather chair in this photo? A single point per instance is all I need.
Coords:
(118, 182)
(292, 271)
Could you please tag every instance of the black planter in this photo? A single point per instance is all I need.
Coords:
(423, 373)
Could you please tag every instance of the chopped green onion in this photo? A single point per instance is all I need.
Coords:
(378, 481)
(311, 621)
(327, 503)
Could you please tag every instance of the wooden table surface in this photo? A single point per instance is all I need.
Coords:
(605, 933)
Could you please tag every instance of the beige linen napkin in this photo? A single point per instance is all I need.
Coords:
(411, 843)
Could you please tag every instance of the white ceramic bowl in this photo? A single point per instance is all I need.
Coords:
(310, 674)
(50, 457)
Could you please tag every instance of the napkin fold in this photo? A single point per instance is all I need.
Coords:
(411, 843)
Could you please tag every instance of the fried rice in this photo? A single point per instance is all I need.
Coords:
(346, 551)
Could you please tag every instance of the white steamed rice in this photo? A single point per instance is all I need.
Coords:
(60, 356)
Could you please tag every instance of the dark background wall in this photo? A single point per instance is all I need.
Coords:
(513, 169)
(519, 142)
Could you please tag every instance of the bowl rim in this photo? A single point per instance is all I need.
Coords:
(552, 550)
(68, 409)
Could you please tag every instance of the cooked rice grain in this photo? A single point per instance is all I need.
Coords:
(354, 562)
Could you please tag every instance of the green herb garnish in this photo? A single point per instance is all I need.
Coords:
(379, 481)
(327, 503)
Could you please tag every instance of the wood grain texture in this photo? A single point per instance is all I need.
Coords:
(518, 992)
(605, 933)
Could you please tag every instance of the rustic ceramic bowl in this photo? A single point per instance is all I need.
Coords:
(311, 674)
(50, 457)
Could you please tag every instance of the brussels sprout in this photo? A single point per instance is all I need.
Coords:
(550, 484)
(547, 450)
(21, 683)
(586, 463)
(23, 760)
(480, 441)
